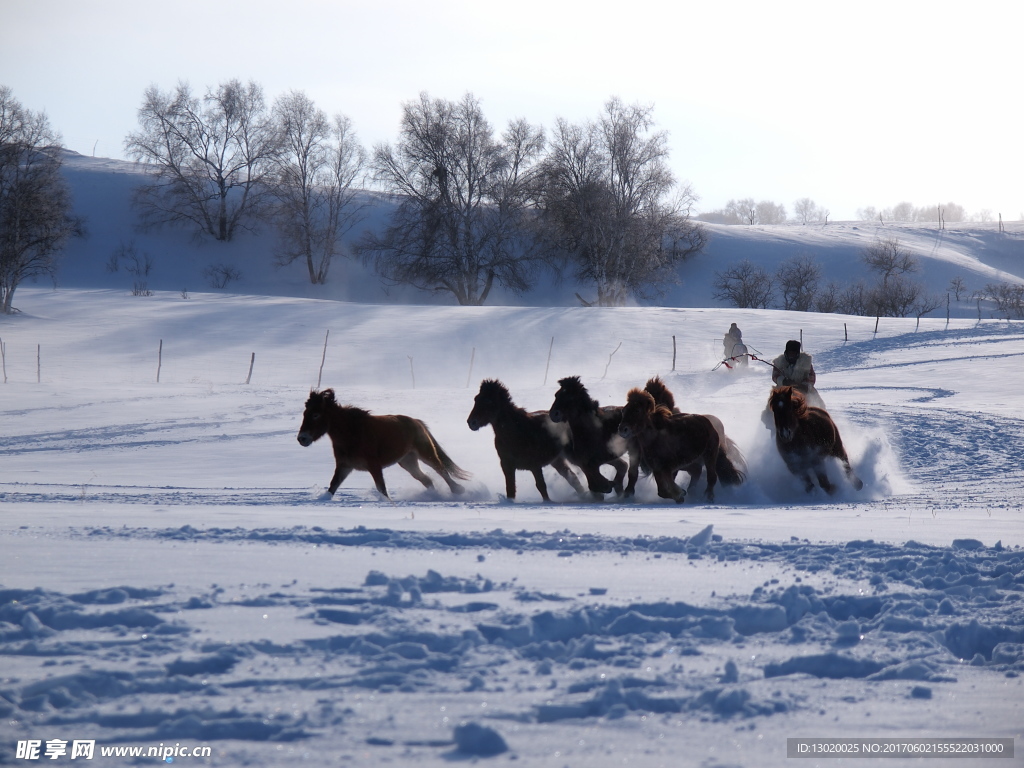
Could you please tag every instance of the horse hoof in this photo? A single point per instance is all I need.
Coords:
(456, 488)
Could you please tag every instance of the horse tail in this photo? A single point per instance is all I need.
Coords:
(433, 450)
(728, 472)
(735, 456)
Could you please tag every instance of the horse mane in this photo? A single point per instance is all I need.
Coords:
(497, 390)
(572, 386)
(326, 399)
(661, 394)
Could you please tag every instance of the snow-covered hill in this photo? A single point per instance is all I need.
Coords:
(171, 578)
(977, 253)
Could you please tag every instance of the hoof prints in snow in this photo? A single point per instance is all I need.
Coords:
(116, 658)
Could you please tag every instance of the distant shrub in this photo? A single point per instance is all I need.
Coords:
(219, 276)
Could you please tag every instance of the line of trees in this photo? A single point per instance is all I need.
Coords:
(797, 284)
(471, 208)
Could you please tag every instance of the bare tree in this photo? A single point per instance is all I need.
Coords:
(770, 213)
(461, 195)
(745, 285)
(798, 279)
(889, 258)
(807, 211)
(315, 184)
(611, 204)
(958, 287)
(209, 157)
(828, 298)
(1008, 298)
(745, 210)
(35, 203)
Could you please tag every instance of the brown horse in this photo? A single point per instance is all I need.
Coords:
(369, 443)
(529, 441)
(669, 442)
(729, 450)
(806, 436)
(595, 437)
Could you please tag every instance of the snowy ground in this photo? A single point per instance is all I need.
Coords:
(168, 575)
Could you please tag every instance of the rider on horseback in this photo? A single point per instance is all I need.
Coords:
(795, 368)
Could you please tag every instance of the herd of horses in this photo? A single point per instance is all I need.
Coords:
(648, 433)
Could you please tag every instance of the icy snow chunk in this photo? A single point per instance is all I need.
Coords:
(475, 739)
(752, 619)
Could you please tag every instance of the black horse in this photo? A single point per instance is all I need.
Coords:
(523, 440)
(595, 437)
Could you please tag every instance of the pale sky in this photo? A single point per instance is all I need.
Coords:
(850, 104)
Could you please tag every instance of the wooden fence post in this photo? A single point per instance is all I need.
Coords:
(548, 366)
(252, 362)
(159, 360)
(322, 359)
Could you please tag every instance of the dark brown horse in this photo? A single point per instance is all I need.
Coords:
(369, 443)
(669, 442)
(529, 441)
(729, 450)
(806, 436)
(595, 437)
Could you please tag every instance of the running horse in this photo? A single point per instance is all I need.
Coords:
(669, 442)
(595, 437)
(806, 436)
(369, 443)
(523, 440)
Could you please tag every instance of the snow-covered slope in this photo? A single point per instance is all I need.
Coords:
(169, 576)
(977, 253)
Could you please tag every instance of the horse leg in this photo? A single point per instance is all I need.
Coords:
(598, 483)
(426, 449)
(411, 464)
(509, 470)
(694, 471)
(839, 451)
(851, 476)
(711, 466)
(667, 488)
(562, 467)
(633, 474)
(621, 467)
(377, 473)
(340, 473)
(542, 486)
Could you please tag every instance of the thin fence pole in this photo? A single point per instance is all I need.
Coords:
(322, 359)
(673, 352)
(846, 334)
(412, 372)
(252, 362)
(39, 363)
(610, 360)
(548, 366)
(3, 355)
(159, 360)
(472, 357)
(877, 318)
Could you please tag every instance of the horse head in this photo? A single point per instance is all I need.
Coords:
(492, 398)
(571, 400)
(314, 418)
(637, 413)
(787, 406)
